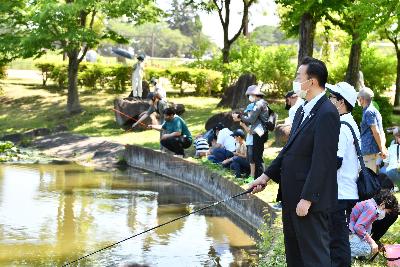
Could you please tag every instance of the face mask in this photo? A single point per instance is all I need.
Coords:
(252, 98)
(287, 106)
(381, 214)
(297, 89)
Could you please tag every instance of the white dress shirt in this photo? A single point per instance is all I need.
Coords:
(310, 105)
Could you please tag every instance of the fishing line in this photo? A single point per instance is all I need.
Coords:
(160, 225)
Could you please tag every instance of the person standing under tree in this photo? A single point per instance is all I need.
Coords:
(137, 78)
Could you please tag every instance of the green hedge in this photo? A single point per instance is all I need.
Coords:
(117, 77)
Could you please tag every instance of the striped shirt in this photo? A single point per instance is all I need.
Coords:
(362, 216)
(201, 145)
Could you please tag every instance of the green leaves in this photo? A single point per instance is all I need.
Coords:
(29, 28)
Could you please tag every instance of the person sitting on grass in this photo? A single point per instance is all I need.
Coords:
(224, 146)
(238, 163)
(249, 143)
(176, 136)
(362, 217)
(201, 145)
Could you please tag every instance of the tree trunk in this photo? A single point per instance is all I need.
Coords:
(246, 25)
(73, 105)
(225, 53)
(306, 36)
(353, 68)
(397, 95)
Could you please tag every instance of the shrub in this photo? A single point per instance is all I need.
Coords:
(92, 75)
(276, 69)
(46, 68)
(378, 70)
(59, 75)
(120, 76)
(117, 77)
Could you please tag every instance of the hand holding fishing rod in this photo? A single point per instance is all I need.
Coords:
(258, 184)
(248, 191)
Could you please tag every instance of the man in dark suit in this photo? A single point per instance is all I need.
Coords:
(306, 169)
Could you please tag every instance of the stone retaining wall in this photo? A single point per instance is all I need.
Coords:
(250, 211)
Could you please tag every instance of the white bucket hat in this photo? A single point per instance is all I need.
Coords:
(254, 90)
(345, 90)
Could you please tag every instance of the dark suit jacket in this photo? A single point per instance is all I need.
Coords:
(306, 166)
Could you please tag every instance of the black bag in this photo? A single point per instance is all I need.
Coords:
(368, 181)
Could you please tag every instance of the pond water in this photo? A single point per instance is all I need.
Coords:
(52, 214)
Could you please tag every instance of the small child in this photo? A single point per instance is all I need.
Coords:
(238, 163)
(202, 147)
(362, 216)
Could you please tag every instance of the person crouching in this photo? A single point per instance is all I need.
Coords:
(362, 216)
(176, 136)
(238, 163)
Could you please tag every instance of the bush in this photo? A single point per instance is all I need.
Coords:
(92, 75)
(46, 68)
(59, 75)
(117, 77)
(378, 70)
(277, 70)
(120, 76)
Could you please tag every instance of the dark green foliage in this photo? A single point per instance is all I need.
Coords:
(379, 70)
(272, 65)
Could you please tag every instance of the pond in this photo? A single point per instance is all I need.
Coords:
(51, 214)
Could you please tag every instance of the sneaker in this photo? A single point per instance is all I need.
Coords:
(249, 179)
(277, 206)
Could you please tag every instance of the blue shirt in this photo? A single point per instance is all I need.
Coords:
(370, 116)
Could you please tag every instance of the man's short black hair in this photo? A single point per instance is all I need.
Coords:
(346, 103)
(169, 111)
(316, 69)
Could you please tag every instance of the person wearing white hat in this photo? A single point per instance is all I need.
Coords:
(344, 97)
(255, 121)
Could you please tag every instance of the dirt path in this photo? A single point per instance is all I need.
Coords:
(88, 151)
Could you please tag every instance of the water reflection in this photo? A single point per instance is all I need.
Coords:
(50, 214)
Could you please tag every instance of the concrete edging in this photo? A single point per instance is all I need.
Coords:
(249, 211)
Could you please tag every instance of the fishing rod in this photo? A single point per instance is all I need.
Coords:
(130, 117)
(248, 191)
